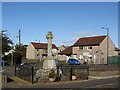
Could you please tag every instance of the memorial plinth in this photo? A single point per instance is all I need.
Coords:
(49, 62)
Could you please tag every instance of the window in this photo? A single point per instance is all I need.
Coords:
(37, 54)
(81, 47)
(90, 47)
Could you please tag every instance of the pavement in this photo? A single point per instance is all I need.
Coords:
(94, 77)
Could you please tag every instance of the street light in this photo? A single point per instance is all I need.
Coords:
(107, 41)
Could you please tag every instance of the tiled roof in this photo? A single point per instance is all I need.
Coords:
(90, 41)
(42, 45)
(117, 49)
(67, 51)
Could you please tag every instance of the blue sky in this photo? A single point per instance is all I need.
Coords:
(68, 21)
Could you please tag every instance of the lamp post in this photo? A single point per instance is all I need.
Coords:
(107, 42)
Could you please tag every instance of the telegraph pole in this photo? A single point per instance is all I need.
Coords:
(19, 38)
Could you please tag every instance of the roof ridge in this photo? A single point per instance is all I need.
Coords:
(86, 41)
(94, 36)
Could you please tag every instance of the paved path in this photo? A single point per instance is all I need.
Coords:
(94, 77)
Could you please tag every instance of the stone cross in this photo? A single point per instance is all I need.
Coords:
(49, 63)
(49, 37)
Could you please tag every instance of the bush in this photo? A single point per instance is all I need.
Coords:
(17, 56)
(7, 58)
(52, 74)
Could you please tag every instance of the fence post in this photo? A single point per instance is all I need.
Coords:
(88, 71)
(15, 69)
(57, 77)
(32, 75)
(71, 72)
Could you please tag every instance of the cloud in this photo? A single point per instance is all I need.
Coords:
(69, 41)
(82, 34)
(73, 38)
(76, 36)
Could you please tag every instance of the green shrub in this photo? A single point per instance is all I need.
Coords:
(17, 56)
(52, 74)
(8, 58)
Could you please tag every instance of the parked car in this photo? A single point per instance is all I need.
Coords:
(73, 62)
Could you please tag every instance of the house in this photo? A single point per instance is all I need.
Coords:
(39, 50)
(117, 50)
(63, 55)
(93, 49)
(61, 48)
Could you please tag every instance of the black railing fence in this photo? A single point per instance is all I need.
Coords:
(81, 72)
(28, 72)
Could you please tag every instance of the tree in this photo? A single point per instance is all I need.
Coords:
(6, 43)
(20, 53)
(22, 49)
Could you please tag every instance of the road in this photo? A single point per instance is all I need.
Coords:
(96, 83)
(84, 84)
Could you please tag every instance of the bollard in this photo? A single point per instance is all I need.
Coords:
(58, 77)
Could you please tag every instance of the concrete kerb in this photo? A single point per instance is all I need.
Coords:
(94, 77)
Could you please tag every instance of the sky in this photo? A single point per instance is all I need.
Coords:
(68, 21)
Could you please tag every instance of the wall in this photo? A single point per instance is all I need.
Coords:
(111, 50)
(61, 48)
(30, 52)
(62, 57)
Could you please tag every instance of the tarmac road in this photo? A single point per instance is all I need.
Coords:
(86, 84)
(112, 82)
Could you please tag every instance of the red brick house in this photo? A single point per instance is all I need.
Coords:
(93, 49)
(38, 50)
